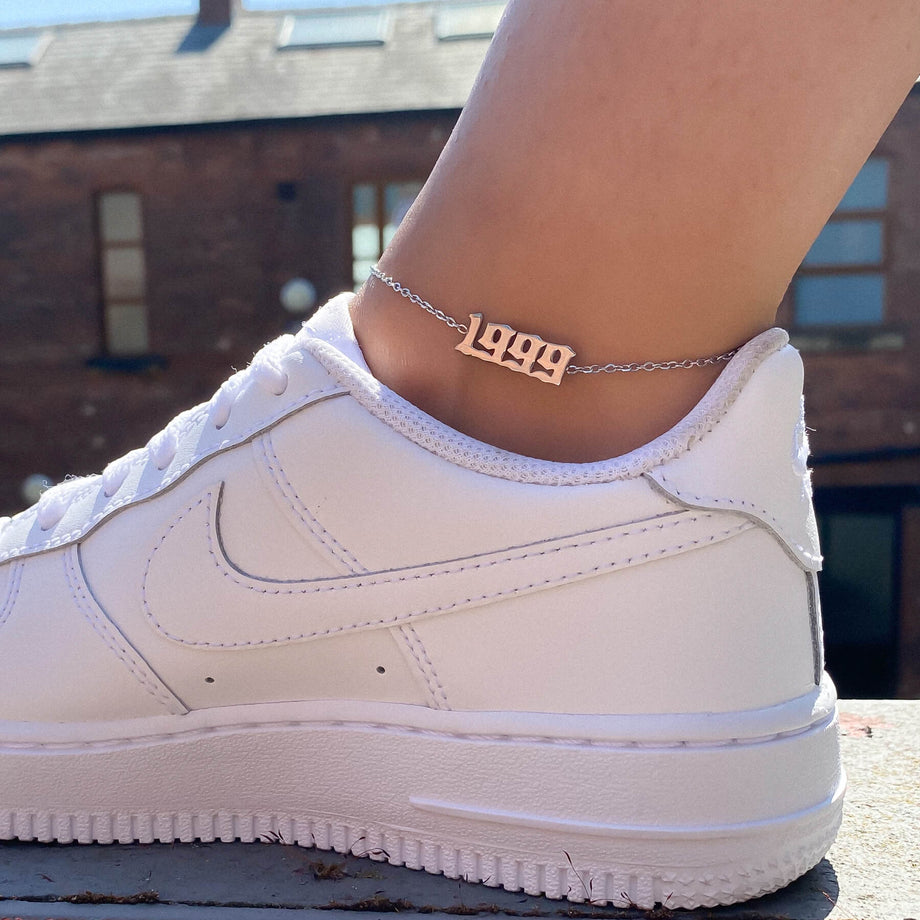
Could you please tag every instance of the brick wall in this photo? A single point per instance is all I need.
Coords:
(219, 244)
(220, 241)
(867, 399)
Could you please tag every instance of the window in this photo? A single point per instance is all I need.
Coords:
(23, 49)
(456, 21)
(860, 530)
(841, 281)
(377, 210)
(334, 30)
(123, 272)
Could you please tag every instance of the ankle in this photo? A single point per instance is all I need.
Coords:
(586, 418)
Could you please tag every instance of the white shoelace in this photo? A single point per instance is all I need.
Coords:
(266, 371)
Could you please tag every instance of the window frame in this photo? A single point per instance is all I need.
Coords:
(850, 269)
(379, 185)
(108, 302)
(892, 502)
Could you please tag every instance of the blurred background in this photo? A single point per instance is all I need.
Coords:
(181, 181)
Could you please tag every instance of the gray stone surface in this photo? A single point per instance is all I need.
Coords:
(871, 873)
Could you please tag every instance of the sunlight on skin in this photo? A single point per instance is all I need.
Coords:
(646, 198)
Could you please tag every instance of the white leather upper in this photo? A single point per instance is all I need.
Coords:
(752, 461)
(198, 439)
(205, 612)
(311, 548)
(62, 658)
(630, 644)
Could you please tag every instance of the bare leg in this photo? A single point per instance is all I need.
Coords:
(638, 179)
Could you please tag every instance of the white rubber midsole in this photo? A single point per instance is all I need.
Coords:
(787, 718)
(512, 799)
(391, 774)
(632, 831)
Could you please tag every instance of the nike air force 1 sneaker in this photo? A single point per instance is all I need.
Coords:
(306, 610)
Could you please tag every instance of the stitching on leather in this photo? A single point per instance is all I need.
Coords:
(431, 435)
(94, 481)
(402, 635)
(747, 506)
(374, 579)
(297, 507)
(567, 742)
(110, 637)
(12, 592)
(232, 575)
(426, 666)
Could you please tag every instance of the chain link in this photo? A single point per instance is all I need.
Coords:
(427, 307)
(650, 365)
(572, 368)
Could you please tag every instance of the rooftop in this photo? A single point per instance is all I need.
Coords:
(174, 70)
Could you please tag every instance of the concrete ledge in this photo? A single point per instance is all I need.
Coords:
(872, 872)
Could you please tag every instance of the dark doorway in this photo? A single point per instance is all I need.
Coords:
(860, 531)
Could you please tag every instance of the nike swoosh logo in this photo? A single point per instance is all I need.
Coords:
(224, 607)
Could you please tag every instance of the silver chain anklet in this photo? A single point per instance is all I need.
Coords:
(521, 351)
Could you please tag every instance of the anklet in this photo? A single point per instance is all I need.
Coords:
(520, 351)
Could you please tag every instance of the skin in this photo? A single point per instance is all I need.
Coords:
(638, 179)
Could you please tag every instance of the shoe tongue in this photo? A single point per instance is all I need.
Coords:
(332, 324)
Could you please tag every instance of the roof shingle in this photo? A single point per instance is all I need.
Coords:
(162, 72)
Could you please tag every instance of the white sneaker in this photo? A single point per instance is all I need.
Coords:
(310, 611)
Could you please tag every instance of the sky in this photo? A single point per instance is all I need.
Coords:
(16, 14)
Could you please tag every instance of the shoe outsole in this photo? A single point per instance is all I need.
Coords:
(622, 824)
(674, 887)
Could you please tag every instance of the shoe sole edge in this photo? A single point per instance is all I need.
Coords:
(682, 825)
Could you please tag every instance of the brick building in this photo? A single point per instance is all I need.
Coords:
(162, 179)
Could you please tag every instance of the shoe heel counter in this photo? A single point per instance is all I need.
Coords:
(753, 459)
(728, 627)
